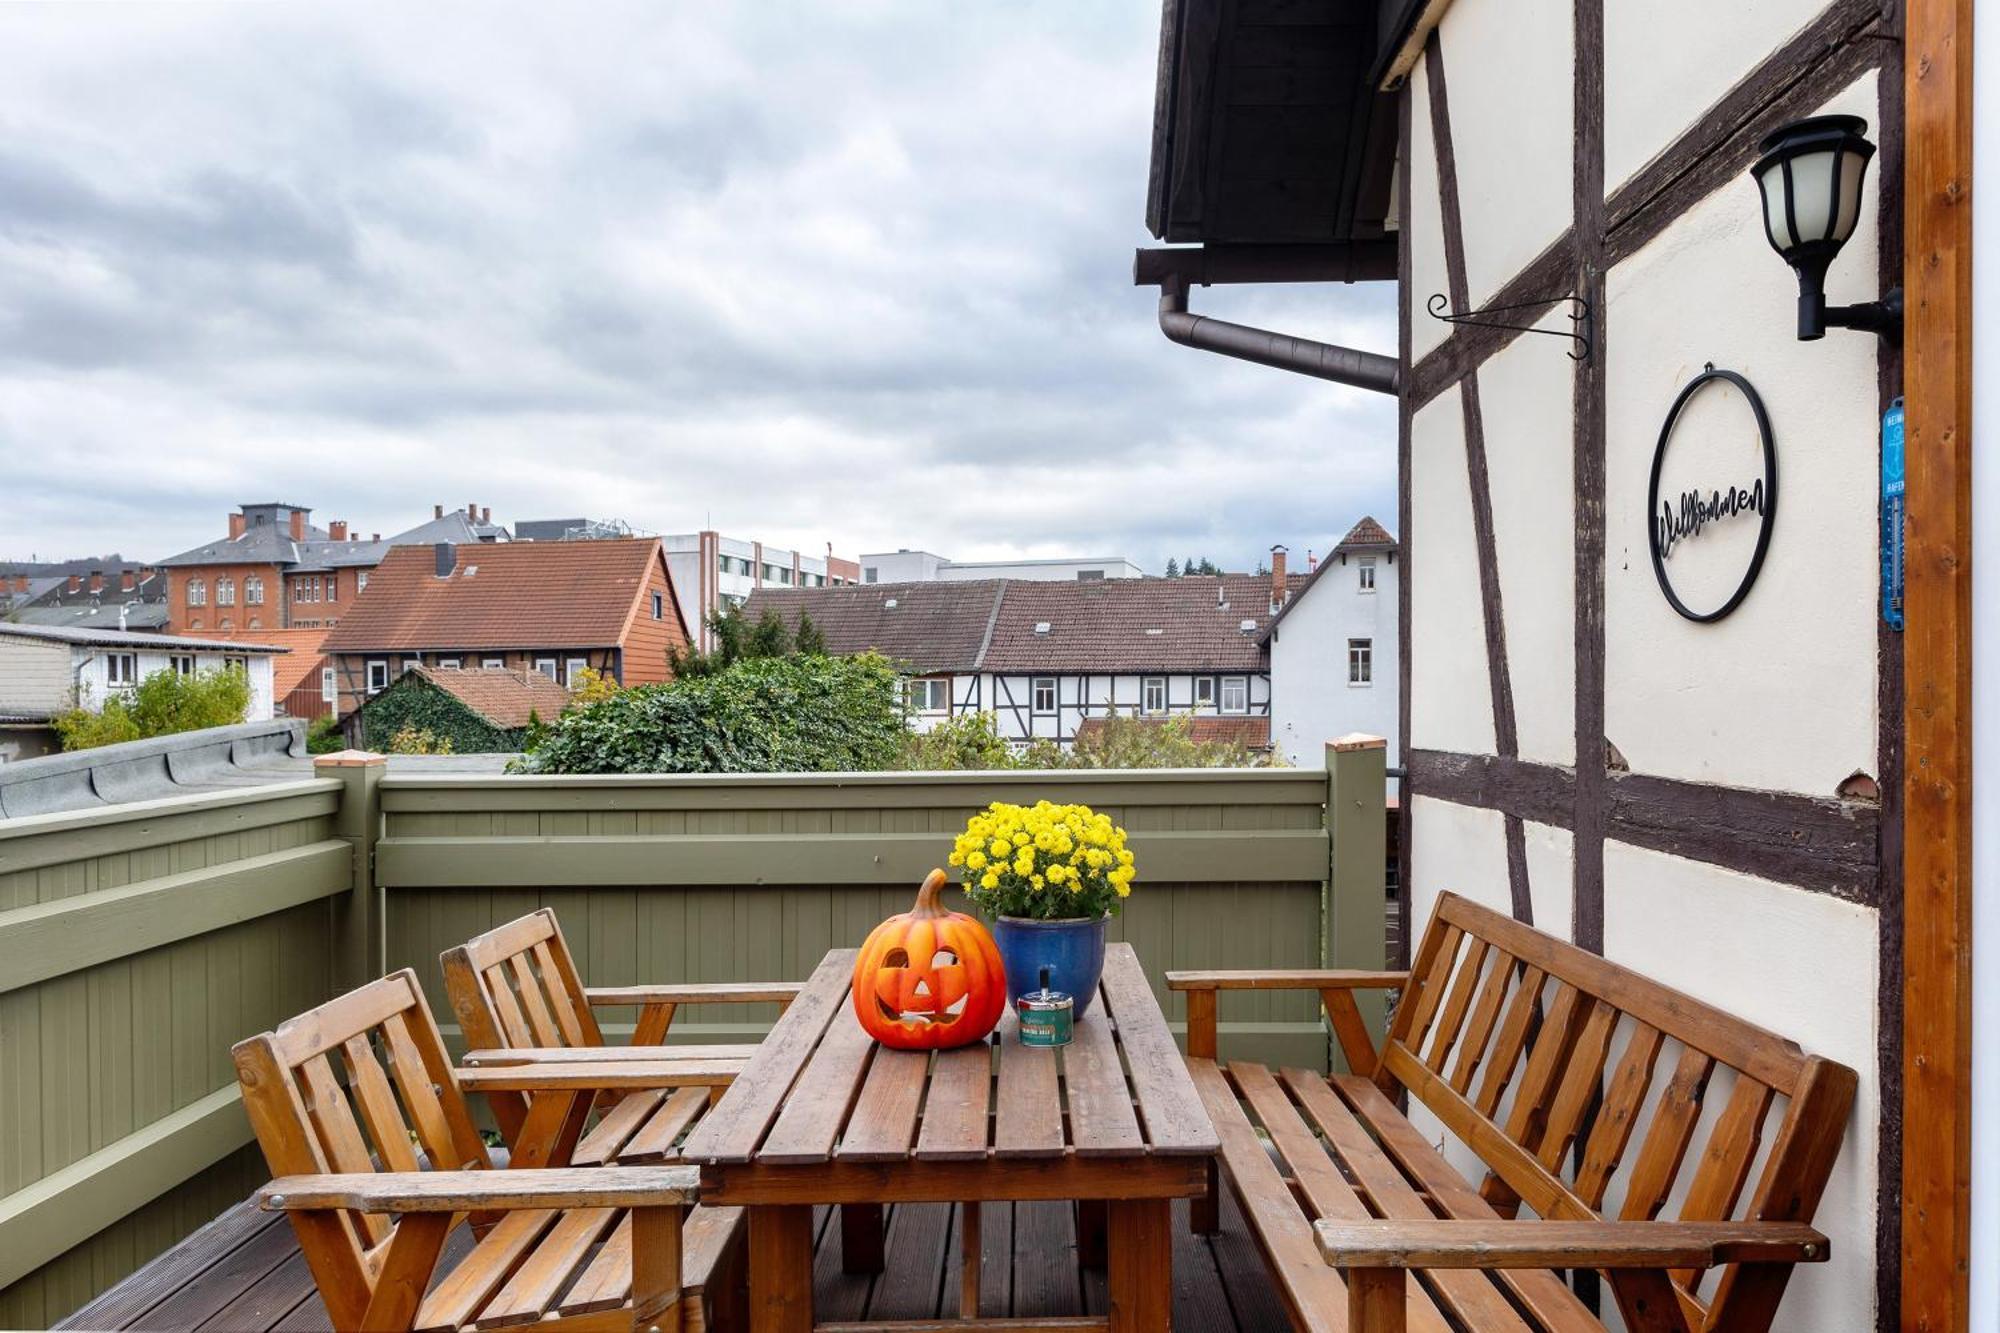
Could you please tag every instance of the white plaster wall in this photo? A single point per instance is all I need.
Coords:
(1423, 229)
(34, 675)
(1510, 72)
(1311, 699)
(1802, 964)
(1781, 693)
(1551, 877)
(1451, 701)
(1526, 399)
(1664, 64)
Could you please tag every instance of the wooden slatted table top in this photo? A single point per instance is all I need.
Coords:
(820, 1091)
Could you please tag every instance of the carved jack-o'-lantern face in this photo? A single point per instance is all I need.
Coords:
(929, 979)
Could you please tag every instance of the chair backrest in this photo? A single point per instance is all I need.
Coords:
(358, 1085)
(1507, 1035)
(517, 985)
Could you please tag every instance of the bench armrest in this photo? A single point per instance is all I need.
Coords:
(720, 992)
(486, 1191)
(599, 1076)
(1271, 979)
(1434, 1243)
(597, 1055)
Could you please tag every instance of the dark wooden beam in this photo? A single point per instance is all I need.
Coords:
(1547, 278)
(1587, 409)
(1937, 665)
(1543, 793)
(1207, 265)
(1404, 535)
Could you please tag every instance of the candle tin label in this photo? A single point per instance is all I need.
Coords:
(1046, 1018)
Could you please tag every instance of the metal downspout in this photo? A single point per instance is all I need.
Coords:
(1342, 365)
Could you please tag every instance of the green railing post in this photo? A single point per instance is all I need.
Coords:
(360, 947)
(1356, 916)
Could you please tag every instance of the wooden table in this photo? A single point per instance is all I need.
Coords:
(822, 1115)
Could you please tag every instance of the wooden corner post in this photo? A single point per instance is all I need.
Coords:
(360, 947)
(1355, 916)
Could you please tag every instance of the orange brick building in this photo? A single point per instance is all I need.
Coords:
(553, 607)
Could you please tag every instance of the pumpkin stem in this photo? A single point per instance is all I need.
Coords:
(928, 905)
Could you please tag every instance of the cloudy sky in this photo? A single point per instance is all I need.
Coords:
(854, 273)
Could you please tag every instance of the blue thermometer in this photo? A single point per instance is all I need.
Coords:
(1892, 515)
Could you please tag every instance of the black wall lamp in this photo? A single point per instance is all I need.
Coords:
(1810, 175)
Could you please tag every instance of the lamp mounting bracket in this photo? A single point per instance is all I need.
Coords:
(1579, 314)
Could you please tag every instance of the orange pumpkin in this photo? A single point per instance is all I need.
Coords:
(929, 979)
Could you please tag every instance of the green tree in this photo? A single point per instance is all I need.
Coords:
(163, 704)
(1173, 568)
(807, 639)
(960, 743)
(770, 638)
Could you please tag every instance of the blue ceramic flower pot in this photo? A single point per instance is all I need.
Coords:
(1072, 951)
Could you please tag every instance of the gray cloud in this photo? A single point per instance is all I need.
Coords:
(854, 274)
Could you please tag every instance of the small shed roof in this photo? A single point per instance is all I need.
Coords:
(111, 638)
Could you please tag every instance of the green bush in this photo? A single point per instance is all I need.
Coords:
(412, 704)
(323, 735)
(960, 743)
(759, 715)
(969, 741)
(163, 704)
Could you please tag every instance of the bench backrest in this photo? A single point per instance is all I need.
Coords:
(517, 985)
(1507, 1036)
(360, 1084)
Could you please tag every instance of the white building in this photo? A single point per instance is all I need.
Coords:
(1334, 651)
(712, 573)
(1046, 657)
(907, 566)
(46, 669)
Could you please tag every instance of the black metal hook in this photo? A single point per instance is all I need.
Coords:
(1579, 314)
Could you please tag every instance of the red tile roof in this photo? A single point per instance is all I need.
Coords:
(1247, 733)
(505, 698)
(1366, 533)
(296, 667)
(500, 595)
(1193, 623)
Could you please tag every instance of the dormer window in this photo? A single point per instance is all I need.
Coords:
(1364, 572)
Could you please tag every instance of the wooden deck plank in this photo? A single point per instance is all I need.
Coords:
(174, 1268)
(1045, 1267)
(222, 1282)
(917, 1242)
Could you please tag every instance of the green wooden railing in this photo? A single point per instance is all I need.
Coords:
(138, 943)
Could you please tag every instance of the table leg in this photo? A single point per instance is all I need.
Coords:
(1141, 1276)
(860, 1237)
(1090, 1232)
(1205, 1213)
(969, 1254)
(781, 1263)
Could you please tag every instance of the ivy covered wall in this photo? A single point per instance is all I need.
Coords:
(411, 701)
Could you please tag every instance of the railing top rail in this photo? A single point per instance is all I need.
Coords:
(900, 777)
(95, 817)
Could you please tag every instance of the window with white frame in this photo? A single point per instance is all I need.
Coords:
(329, 686)
(448, 663)
(333, 587)
(492, 663)
(225, 592)
(253, 591)
(1153, 694)
(659, 606)
(121, 670)
(378, 676)
(1364, 569)
(197, 592)
(573, 670)
(182, 664)
(361, 581)
(1204, 691)
(547, 666)
(931, 694)
(1042, 695)
(1235, 694)
(1361, 661)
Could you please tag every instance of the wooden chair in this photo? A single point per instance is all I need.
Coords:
(1507, 1037)
(361, 1119)
(521, 1006)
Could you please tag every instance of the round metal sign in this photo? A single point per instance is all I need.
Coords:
(1700, 533)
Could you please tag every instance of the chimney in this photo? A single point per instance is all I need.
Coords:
(472, 513)
(236, 521)
(337, 529)
(447, 559)
(1312, 561)
(485, 514)
(437, 511)
(298, 525)
(375, 537)
(96, 582)
(76, 583)
(1277, 577)
(127, 581)
(20, 583)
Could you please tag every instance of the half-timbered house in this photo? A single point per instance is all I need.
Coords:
(1653, 699)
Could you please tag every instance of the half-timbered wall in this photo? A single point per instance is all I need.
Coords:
(1011, 699)
(1698, 801)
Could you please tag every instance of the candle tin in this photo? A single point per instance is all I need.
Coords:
(1046, 1018)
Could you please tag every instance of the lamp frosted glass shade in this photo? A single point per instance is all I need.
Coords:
(1810, 176)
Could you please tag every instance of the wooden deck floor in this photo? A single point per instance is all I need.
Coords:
(243, 1273)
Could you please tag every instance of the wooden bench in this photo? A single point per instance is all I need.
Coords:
(1542, 1060)
(361, 1118)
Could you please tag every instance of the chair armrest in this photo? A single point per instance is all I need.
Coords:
(597, 1055)
(477, 1191)
(719, 992)
(1269, 979)
(1434, 1243)
(598, 1076)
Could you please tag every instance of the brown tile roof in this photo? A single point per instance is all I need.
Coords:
(924, 626)
(1126, 625)
(1247, 733)
(1366, 533)
(296, 667)
(500, 595)
(504, 698)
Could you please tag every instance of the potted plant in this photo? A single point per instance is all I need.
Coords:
(1050, 876)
